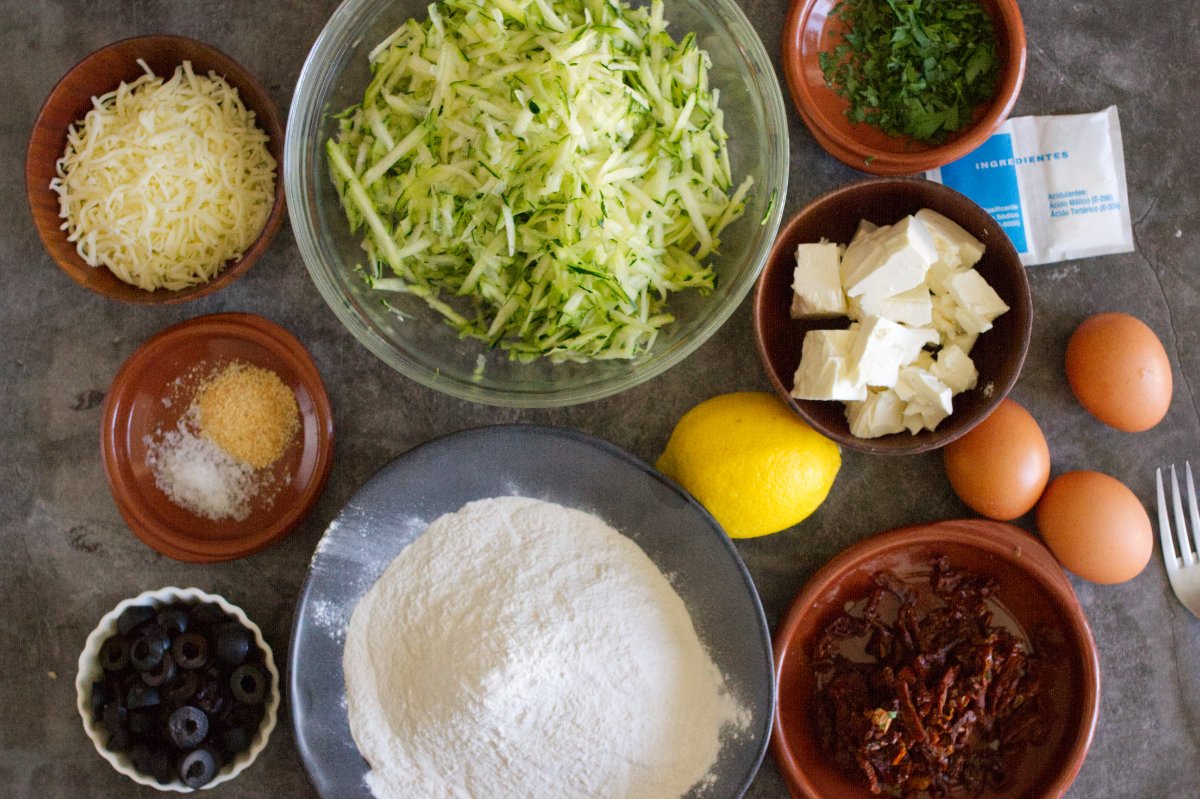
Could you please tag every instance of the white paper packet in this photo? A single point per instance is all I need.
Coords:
(1056, 184)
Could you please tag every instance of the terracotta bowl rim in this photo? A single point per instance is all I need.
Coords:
(1008, 543)
(177, 543)
(850, 151)
(266, 115)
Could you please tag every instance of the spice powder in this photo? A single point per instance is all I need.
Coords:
(249, 412)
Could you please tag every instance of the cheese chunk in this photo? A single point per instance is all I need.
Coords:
(957, 248)
(825, 371)
(913, 307)
(978, 303)
(865, 228)
(883, 347)
(880, 414)
(929, 399)
(816, 282)
(888, 261)
(955, 368)
(938, 276)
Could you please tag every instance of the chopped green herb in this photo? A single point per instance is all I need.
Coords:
(917, 68)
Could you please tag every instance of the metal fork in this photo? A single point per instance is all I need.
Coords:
(1180, 554)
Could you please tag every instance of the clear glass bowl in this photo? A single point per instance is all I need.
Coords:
(424, 348)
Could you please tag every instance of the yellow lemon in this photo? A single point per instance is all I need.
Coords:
(751, 462)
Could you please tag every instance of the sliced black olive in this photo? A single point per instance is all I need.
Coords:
(187, 726)
(114, 653)
(161, 674)
(191, 650)
(100, 696)
(142, 696)
(183, 688)
(133, 617)
(198, 767)
(248, 684)
(233, 644)
(139, 756)
(208, 613)
(232, 743)
(140, 724)
(160, 765)
(173, 619)
(146, 653)
(113, 716)
(211, 696)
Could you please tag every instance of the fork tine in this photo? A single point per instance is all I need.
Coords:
(1185, 554)
(1191, 555)
(1164, 528)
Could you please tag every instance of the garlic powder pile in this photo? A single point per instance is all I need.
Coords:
(163, 182)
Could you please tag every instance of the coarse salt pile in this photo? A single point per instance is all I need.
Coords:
(196, 474)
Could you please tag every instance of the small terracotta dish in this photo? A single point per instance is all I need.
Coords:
(91, 670)
(1033, 595)
(69, 102)
(998, 354)
(153, 390)
(807, 32)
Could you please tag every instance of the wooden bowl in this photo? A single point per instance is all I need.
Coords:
(1038, 599)
(998, 355)
(153, 390)
(807, 32)
(69, 102)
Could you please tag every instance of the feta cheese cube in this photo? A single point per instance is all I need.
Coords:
(928, 399)
(938, 276)
(882, 347)
(817, 283)
(964, 341)
(888, 261)
(913, 307)
(924, 360)
(955, 368)
(880, 414)
(978, 303)
(865, 228)
(957, 248)
(825, 371)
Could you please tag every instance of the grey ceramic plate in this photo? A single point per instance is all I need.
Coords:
(556, 465)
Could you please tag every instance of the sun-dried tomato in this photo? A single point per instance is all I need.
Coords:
(947, 696)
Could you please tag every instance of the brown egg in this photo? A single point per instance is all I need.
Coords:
(1000, 467)
(1095, 526)
(1119, 371)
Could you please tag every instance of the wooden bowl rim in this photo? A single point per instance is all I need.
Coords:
(49, 228)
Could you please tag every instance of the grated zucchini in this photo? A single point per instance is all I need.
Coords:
(543, 173)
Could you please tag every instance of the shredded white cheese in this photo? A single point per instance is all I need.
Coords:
(164, 182)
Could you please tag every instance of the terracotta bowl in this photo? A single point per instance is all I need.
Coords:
(807, 32)
(998, 354)
(1036, 595)
(168, 367)
(69, 102)
(91, 670)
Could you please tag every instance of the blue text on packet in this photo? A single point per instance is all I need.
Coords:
(988, 176)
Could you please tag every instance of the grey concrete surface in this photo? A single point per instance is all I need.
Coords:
(66, 557)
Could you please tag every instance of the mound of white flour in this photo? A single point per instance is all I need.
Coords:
(521, 649)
